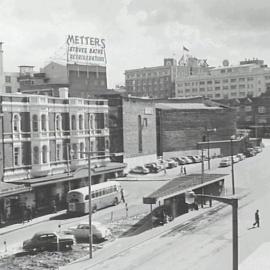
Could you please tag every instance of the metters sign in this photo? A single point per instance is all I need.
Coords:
(85, 50)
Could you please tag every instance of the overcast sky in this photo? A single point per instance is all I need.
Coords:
(138, 33)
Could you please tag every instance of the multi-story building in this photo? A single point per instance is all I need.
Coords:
(1, 69)
(153, 82)
(83, 80)
(227, 82)
(11, 82)
(43, 143)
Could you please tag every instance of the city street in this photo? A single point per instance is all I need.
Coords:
(250, 176)
(203, 243)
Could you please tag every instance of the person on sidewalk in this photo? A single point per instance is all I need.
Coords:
(185, 170)
(122, 195)
(181, 169)
(257, 219)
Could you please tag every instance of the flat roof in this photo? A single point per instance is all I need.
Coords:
(186, 106)
(182, 184)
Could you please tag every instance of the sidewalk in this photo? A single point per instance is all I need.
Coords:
(121, 245)
(34, 221)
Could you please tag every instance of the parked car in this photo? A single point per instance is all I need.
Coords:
(48, 241)
(241, 156)
(140, 170)
(172, 163)
(195, 159)
(236, 159)
(179, 160)
(225, 162)
(187, 160)
(198, 157)
(81, 232)
(257, 149)
(250, 152)
(163, 163)
(153, 167)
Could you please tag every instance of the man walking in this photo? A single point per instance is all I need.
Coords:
(257, 219)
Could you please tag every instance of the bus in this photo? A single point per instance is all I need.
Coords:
(103, 195)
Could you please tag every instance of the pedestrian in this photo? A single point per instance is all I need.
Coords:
(29, 213)
(53, 205)
(181, 169)
(257, 219)
(185, 171)
(122, 195)
(165, 172)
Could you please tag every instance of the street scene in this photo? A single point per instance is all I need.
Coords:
(134, 135)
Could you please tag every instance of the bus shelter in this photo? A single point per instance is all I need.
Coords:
(171, 197)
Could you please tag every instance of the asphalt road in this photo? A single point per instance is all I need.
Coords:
(205, 242)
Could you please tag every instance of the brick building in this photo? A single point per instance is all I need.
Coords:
(42, 142)
(180, 126)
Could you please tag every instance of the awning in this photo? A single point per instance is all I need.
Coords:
(8, 189)
(180, 185)
(80, 173)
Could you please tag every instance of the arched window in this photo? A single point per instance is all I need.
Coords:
(16, 123)
(81, 150)
(58, 122)
(44, 154)
(74, 151)
(36, 155)
(43, 122)
(35, 122)
(73, 122)
(81, 125)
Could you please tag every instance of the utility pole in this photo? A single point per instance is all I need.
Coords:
(90, 207)
(233, 188)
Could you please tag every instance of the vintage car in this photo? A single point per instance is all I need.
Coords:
(48, 241)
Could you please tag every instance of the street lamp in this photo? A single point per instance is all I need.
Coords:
(231, 140)
(190, 198)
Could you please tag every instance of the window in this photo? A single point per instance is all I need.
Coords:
(75, 151)
(44, 154)
(43, 122)
(91, 121)
(202, 83)
(35, 123)
(225, 81)
(36, 155)
(202, 89)
(58, 151)
(261, 109)
(17, 161)
(241, 79)
(217, 81)
(251, 78)
(217, 95)
(82, 150)
(217, 88)
(58, 122)
(73, 122)
(16, 123)
(233, 80)
(8, 79)
(248, 108)
(225, 87)
(262, 121)
(242, 86)
(145, 122)
(91, 146)
(81, 125)
(209, 82)
(233, 86)
(8, 89)
(248, 118)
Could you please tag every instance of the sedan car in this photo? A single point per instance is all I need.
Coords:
(140, 170)
(81, 232)
(241, 156)
(48, 241)
(179, 160)
(153, 167)
(187, 160)
(172, 163)
(225, 162)
(195, 159)
(236, 159)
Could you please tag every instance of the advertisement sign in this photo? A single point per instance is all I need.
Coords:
(85, 50)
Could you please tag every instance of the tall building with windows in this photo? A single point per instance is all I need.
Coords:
(248, 79)
(153, 82)
(11, 82)
(43, 143)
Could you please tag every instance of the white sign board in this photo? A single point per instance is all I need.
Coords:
(85, 50)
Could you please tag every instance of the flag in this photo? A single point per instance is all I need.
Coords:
(185, 49)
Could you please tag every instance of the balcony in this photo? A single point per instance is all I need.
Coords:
(40, 169)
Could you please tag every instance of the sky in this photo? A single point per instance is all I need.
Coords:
(138, 33)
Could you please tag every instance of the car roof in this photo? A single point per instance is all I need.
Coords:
(45, 232)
